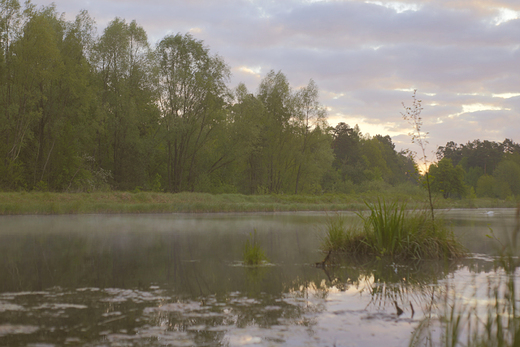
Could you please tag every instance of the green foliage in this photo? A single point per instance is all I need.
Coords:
(85, 113)
(156, 184)
(492, 168)
(485, 186)
(507, 179)
(392, 231)
(337, 234)
(447, 179)
(253, 254)
(360, 159)
(386, 224)
(503, 184)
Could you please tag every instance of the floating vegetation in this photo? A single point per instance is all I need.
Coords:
(389, 229)
(253, 253)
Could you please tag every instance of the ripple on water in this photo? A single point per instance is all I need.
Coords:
(8, 329)
(5, 306)
(57, 306)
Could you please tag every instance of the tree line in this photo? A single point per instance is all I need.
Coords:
(81, 112)
(482, 168)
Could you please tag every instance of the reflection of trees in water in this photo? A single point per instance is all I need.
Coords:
(410, 287)
(211, 297)
(482, 311)
(207, 321)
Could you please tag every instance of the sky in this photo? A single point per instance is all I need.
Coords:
(367, 57)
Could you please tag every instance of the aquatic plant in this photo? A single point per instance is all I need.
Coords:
(492, 319)
(391, 230)
(253, 254)
(335, 235)
(385, 225)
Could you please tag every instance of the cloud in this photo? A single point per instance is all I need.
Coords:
(366, 56)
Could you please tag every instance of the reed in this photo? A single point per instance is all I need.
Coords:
(389, 229)
(253, 254)
(476, 320)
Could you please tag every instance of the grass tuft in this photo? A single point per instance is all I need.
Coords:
(253, 254)
(390, 230)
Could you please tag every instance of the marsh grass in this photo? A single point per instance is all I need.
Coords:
(389, 229)
(253, 253)
(154, 202)
(489, 320)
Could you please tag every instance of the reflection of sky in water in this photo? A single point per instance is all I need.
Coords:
(160, 280)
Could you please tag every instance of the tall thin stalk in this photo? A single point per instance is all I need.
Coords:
(412, 114)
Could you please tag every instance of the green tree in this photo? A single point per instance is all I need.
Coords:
(485, 186)
(128, 113)
(192, 91)
(278, 141)
(375, 164)
(447, 179)
(507, 179)
(12, 130)
(309, 121)
(348, 161)
(239, 143)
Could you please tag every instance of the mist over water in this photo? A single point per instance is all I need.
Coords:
(157, 280)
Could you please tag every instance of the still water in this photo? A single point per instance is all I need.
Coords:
(178, 280)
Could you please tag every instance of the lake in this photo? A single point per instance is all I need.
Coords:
(178, 280)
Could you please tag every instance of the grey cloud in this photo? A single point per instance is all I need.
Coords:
(448, 47)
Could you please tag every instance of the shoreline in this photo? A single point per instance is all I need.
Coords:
(41, 203)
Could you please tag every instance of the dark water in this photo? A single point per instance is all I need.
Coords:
(178, 280)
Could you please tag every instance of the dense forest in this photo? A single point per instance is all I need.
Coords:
(83, 112)
(485, 168)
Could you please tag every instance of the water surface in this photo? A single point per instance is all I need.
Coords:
(178, 280)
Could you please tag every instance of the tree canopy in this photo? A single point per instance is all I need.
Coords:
(83, 112)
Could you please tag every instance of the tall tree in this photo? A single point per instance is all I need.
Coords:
(236, 149)
(12, 131)
(192, 90)
(310, 123)
(447, 179)
(123, 61)
(278, 142)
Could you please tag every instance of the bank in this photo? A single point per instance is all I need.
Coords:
(12, 203)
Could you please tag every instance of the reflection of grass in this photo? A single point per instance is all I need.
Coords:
(491, 320)
(389, 230)
(253, 254)
(406, 283)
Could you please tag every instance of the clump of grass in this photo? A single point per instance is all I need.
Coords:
(385, 225)
(390, 230)
(338, 236)
(253, 254)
